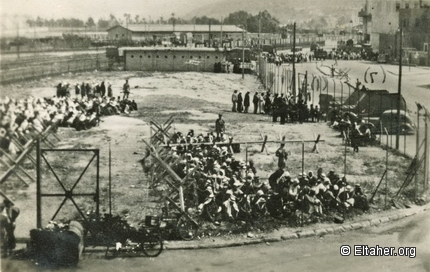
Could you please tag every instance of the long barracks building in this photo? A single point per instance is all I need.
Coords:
(171, 59)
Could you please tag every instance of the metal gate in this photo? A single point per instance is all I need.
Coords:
(68, 194)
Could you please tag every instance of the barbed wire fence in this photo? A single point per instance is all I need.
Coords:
(335, 92)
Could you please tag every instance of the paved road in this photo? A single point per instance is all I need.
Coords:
(307, 254)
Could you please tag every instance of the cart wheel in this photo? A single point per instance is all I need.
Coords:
(152, 245)
(212, 211)
(187, 229)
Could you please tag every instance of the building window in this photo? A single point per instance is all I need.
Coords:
(140, 56)
(200, 57)
(174, 56)
(149, 56)
(191, 57)
(426, 47)
(123, 35)
(397, 6)
(216, 57)
(158, 56)
(183, 57)
(208, 57)
(132, 56)
(406, 5)
(165, 56)
(405, 23)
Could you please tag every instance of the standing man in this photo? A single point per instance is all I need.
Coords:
(260, 103)
(357, 84)
(255, 101)
(126, 90)
(103, 89)
(83, 92)
(11, 212)
(109, 92)
(282, 155)
(246, 102)
(234, 98)
(219, 126)
(239, 102)
(77, 90)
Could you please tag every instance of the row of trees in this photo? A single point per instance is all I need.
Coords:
(253, 23)
(73, 22)
(262, 22)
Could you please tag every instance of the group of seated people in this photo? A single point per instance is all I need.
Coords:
(20, 121)
(23, 119)
(229, 188)
(316, 194)
(353, 130)
(193, 138)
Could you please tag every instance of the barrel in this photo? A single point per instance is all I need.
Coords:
(58, 247)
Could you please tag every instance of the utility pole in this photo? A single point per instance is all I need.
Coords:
(399, 92)
(243, 53)
(259, 48)
(294, 62)
(221, 33)
(209, 43)
(428, 49)
(17, 39)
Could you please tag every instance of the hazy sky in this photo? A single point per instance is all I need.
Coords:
(98, 8)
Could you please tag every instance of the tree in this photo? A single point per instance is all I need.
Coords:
(30, 22)
(39, 21)
(112, 20)
(172, 20)
(103, 24)
(268, 23)
(263, 21)
(127, 18)
(90, 23)
(237, 18)
(204, 20)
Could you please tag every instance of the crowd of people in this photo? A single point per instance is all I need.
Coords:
(279, 106)
(229, 188)
(280, 58)
(24, 119)
(334, 54)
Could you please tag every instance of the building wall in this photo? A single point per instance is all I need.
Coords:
(385, 16)
(118, 33)
(196, 37)
(416, 27)
(172, 60)
(385, 13)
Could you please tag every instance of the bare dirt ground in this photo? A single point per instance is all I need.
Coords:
(194, 99)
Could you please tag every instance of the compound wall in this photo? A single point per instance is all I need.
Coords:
(172, 59)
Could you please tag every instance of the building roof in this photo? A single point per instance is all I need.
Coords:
(181, 49)
(180, 28)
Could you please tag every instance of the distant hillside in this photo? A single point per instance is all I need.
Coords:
(286, 11)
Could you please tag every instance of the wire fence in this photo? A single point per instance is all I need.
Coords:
(27, 72)
(403, 131)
